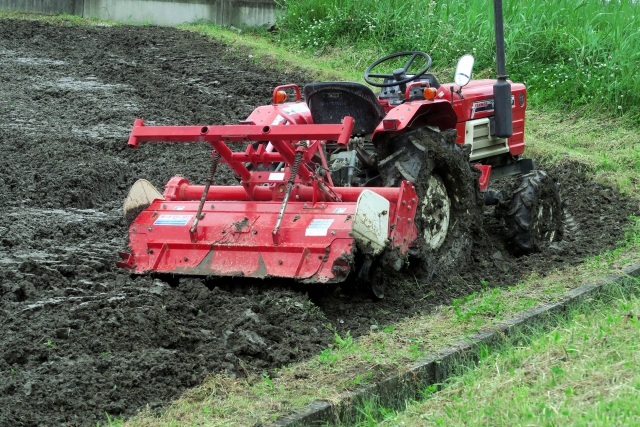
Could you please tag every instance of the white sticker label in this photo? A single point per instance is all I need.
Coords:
(173, 220)
(278, 120)
(276, 176)
(295, 108)
(178, 208)
(441, 94)
(339, 210)
(318, 227)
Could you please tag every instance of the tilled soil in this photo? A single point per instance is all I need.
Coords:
(80, 338)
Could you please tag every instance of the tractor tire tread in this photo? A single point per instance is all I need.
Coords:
(440, 155)
(529, 232)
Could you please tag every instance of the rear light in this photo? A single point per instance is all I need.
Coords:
(390, 124)
(430, 93)
(281, 96)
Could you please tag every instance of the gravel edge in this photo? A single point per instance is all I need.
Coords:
(393, 391)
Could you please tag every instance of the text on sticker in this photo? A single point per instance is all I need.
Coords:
(173, 220)
(318, 227)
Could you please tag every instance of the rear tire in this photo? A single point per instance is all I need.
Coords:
(534, 219)
(447, 186)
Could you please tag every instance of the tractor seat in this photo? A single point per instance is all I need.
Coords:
(330, 102)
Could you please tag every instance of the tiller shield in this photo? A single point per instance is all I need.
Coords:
(289, 222)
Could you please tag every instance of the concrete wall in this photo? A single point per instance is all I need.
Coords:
(239, 13)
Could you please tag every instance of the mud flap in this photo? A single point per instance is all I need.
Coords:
(140, 196)
(371, 223)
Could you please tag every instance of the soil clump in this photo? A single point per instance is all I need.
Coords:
(79, 337)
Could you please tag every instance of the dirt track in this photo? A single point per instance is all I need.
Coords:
(78, 337)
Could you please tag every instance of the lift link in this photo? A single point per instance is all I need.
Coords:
(302, 146)
(199, 215)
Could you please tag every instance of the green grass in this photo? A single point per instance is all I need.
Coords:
(568, 52)
(607, 148)
(111, 421)
(585, 372)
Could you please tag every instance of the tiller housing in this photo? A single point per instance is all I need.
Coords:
(288, 222)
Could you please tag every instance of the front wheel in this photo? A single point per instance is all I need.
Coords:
(447, 185)
(534, 219)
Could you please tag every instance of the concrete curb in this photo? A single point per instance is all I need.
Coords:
(395, 390)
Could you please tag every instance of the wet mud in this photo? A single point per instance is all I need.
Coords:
(79, 337)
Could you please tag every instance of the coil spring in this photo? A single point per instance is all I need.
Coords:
(296, 163)
(214, 167)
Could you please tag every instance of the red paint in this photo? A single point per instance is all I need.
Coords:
(485, 171)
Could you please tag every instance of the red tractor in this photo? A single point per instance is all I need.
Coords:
(345, 180)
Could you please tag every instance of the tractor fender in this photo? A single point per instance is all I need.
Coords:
(288, 113)
(416, 114)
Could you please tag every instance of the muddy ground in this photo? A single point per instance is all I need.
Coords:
(80, 338)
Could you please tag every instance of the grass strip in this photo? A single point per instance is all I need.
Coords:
(585, 371)
(366, 404)
(607, 147)
(264, 53)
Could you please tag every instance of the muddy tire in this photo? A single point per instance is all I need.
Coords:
(534, 219)
(447, 185)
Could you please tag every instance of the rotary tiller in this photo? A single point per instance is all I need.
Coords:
(287, 222)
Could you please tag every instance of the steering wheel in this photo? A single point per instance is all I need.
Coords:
(399, 74)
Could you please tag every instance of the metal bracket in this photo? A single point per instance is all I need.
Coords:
(521, 166)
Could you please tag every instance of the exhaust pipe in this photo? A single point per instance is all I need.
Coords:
(502, 88)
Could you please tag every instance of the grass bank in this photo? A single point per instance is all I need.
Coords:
(583, 372)
(568, 52)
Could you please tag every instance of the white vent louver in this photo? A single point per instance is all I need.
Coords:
(483, 145)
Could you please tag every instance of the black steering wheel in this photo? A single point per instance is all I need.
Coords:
(400, 74)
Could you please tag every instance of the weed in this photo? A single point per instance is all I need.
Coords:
(314, 310)
(343, 343)
(112, 422)
(359, 379)
(327, 356)
(268, 381)
(486, 303)
(50, 344)
(416, 348)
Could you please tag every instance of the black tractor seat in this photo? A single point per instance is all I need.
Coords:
(330, 102)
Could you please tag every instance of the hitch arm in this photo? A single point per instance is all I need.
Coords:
(240, 133)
